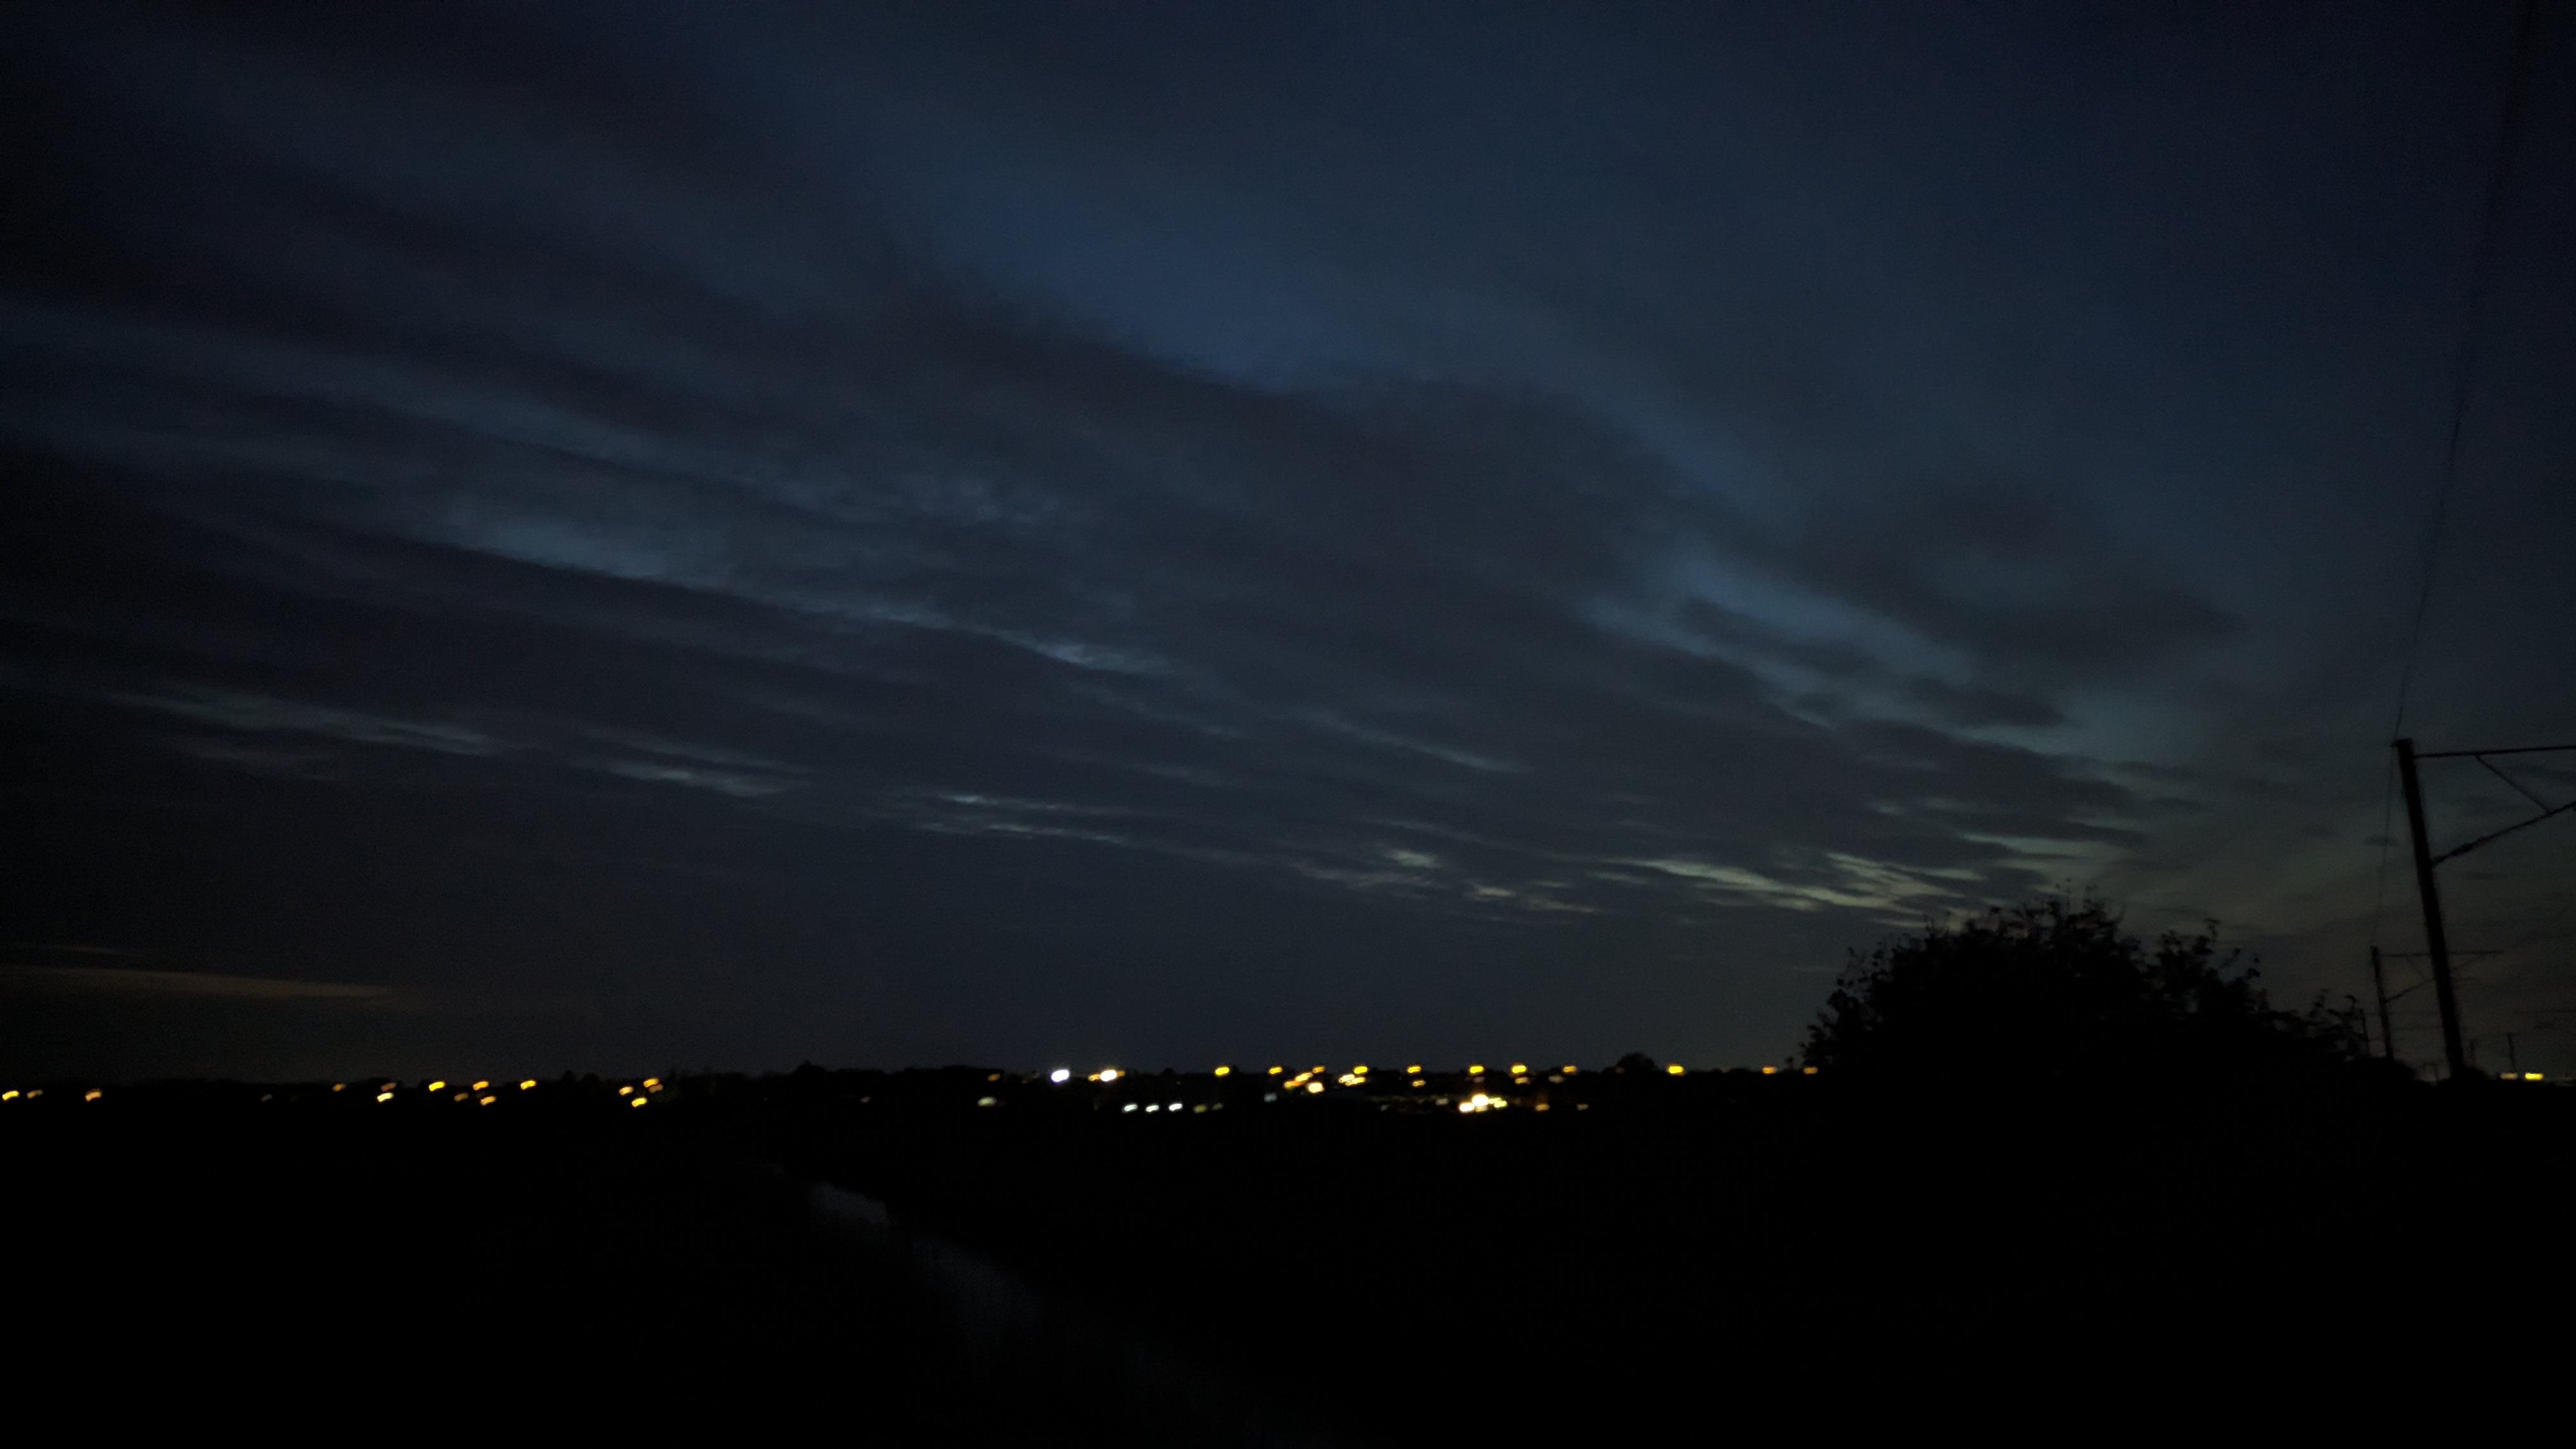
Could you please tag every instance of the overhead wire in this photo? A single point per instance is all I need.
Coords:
(2463, 379)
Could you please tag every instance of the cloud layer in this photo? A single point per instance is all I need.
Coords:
(1027, 536)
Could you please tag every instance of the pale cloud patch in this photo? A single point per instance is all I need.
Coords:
(1856, 883)
(236, 710)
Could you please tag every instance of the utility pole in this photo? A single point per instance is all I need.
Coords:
(2437, 946)
(2379, 984)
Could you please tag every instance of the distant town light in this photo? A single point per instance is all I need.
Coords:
(1274, 1071)
(1417, 1081)
(985, 1101)
(638, 1101)
(1109, 1074)
(625, 1091)
(1224, 1071)
(487, 1101)
(94, 1093)
(1314, 1086)
(1476, 1071)
(528, 1084)
(1520, 1069)
(1568, 1069)
(1130, 1107)
(1466, 1106)
(1767, 1071)
(1175, 1107)
(339, 1086)
(1360, 1071)
(1414, 1070)
(1672, 1069)
(1150, 1107)
(1060, 1075)
(648, 1081)
(9, 1096)
(2531, 1076)
(387, 1087)
(1807, 1071)
(482, 1086)
(438, 1086)
(384, 1096)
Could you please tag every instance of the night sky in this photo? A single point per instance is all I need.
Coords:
(634, 535)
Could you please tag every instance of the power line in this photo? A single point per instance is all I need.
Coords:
(2473, 325)
(2463, 376)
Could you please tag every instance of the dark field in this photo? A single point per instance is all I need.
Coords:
(878, 1252)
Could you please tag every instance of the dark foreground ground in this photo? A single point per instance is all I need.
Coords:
(910, 1268)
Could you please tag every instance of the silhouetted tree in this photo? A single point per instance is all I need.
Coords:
(2056, 986)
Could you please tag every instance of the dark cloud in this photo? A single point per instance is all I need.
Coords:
(990, 535)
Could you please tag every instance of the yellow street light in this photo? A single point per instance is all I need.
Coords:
(438, 1086)
(1225, 1071)
(1672, 1069)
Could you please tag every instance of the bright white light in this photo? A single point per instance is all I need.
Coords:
(1109, 1074)
(1176, 1106)
(1150, 1107)
(1060, 1075)
(1130, 1107)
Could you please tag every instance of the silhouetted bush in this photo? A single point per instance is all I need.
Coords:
(2057, 988)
